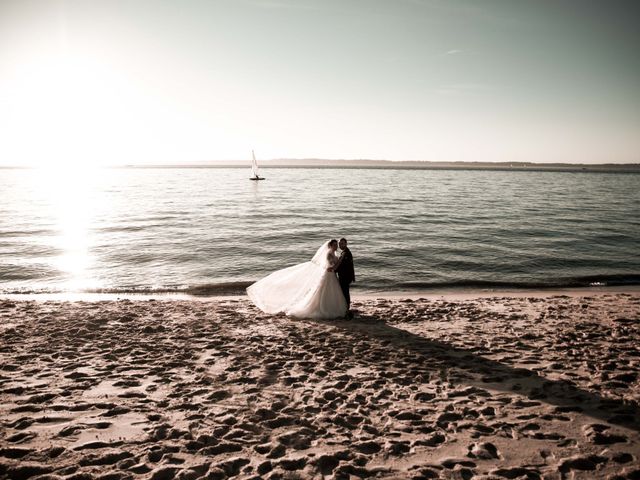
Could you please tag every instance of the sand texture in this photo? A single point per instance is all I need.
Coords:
(486, 388)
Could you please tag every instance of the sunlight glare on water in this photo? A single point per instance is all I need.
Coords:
(69, 197)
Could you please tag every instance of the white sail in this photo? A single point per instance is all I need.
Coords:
(254, 166)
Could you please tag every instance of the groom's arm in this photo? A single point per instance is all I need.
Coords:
(335, 267)
(353, 270)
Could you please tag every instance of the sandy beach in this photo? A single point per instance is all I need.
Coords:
(544, 385)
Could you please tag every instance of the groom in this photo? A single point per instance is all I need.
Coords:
(346, 273)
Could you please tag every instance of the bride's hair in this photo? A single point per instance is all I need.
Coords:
(331, 242)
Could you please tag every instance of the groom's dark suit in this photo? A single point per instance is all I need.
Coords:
(346, 274)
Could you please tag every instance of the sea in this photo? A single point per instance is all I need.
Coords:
(212, 231)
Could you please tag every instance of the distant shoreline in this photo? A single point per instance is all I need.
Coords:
(394, 165)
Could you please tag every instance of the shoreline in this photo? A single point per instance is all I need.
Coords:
(444, 294)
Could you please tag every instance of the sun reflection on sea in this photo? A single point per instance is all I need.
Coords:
(71, 197)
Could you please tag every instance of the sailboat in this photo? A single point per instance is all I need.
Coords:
(254, 168)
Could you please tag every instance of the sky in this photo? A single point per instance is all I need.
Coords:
(105, 82)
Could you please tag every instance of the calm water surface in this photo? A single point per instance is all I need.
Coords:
(199, 229)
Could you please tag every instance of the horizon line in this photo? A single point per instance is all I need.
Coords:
(346, 163)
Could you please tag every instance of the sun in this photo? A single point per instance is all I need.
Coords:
(64, 107)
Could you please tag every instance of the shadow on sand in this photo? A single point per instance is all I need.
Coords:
(465, 368)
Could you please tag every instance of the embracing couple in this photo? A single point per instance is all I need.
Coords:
(310, 289)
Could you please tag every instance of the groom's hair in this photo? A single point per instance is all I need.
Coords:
(343, 240)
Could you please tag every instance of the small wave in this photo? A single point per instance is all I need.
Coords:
(205, 290)
(239, 287)
(235, 288)
(569, 282)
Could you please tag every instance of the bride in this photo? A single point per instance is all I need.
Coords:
(307, 290)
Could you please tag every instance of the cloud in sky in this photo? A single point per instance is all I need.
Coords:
(292, 4)
(465, 89)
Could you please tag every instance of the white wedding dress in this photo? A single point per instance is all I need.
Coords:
(306, 290)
